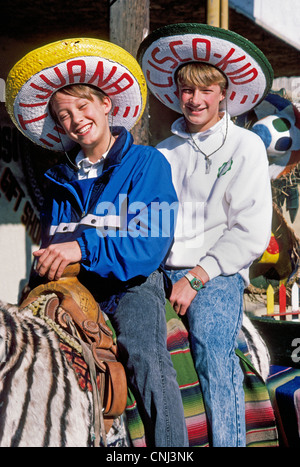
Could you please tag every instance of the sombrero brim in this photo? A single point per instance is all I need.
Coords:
(248, 71)
(33, 80)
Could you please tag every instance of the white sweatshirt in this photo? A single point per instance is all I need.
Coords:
(224, 218)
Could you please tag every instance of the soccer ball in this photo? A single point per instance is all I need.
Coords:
(275, 133)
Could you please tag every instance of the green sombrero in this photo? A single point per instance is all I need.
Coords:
(248, 71)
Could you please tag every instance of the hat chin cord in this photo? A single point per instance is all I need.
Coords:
(66, 154)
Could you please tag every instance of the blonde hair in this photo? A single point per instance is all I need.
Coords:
(201, 74)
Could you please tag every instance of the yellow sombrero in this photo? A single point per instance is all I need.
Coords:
(33, 80)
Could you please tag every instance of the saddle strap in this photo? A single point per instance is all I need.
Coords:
(99, 426)
(114, 402)
(95, 332)
(103, 353)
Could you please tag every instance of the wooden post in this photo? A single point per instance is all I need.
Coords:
(217, 13)
(129, 24)
(213, 12)
(270, 300)
(282, 301)
(224, 14)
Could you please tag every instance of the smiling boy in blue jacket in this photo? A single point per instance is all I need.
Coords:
(113, 210)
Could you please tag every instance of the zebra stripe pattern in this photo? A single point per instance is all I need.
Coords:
(41, 403)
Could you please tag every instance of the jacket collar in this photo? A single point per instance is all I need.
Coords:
(120, 147)
(66, 173)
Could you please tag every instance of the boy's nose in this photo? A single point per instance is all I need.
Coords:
(196, 97)
(76, 117)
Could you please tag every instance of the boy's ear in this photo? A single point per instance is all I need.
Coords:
(223, 95)
(107, 104)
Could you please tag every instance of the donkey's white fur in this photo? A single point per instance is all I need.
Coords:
(260, 356)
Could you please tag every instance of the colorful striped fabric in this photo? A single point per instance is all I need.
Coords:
(260, 419)
(284, 389)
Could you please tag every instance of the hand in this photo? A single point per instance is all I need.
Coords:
(183, 294)
(53, 260)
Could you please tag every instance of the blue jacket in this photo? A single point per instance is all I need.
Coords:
(123, 220)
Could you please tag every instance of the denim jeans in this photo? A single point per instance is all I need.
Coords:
(215, 318)
(140, 325)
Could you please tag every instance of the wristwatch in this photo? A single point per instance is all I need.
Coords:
(195, 283)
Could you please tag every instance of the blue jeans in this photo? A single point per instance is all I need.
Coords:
(140, 325)
(215, 319)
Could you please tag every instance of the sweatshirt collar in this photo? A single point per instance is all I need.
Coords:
(179, 128)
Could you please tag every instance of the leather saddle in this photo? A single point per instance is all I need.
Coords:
(75, 310)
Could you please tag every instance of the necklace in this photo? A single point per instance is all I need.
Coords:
(208, 162)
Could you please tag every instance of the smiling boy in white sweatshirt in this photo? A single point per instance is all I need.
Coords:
(220, 174)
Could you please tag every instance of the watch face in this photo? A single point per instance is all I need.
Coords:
(196, 284)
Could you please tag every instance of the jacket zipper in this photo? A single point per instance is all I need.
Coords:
(85, 207)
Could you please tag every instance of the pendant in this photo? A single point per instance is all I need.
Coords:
(207, 165)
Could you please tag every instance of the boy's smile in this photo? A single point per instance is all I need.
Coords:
(200, 105)
(84, 129)
(85, 122)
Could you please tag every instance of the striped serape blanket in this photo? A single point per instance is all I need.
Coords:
(284, 389)
(260, 420)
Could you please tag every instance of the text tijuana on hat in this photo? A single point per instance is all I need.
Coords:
(34, 79)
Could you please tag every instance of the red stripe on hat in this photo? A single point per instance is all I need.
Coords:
(23, 122)
(38, 104)
(59, 129)
(169, 99)
(136, 111)
(57, 140)
(46, 142)
(126, 113)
